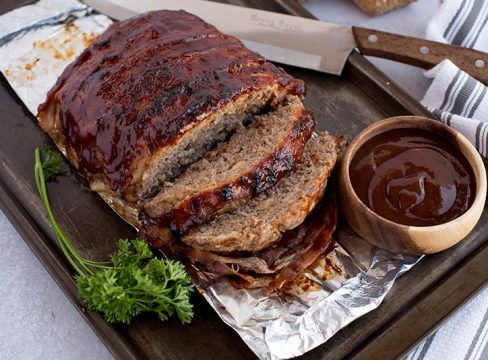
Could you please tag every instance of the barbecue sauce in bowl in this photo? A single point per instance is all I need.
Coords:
(413, 177)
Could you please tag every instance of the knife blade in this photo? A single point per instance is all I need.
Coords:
(306, 43)
(265, 32)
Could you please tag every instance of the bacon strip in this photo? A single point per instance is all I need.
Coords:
(274, 268)
(321, 233)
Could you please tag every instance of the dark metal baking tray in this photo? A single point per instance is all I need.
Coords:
(420, 300)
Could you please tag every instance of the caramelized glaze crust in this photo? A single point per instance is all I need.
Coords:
(143, 84)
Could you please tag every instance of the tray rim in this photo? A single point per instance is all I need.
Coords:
(113, 338)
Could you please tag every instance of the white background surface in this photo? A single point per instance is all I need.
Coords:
(38, 322)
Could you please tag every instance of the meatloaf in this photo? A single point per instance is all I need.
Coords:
(153, 94)
(200, 143)
(276, 267)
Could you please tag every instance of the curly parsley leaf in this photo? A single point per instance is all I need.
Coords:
(52, 163)
(137, 283)
(133, 282)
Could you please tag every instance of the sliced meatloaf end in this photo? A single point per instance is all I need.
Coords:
(153, 94)
(261, 222)
(251, 162)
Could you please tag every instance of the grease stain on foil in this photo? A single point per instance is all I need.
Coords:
(32, 62)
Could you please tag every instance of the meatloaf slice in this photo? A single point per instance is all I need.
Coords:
(251, 162)
(152, 94)
(262, 221)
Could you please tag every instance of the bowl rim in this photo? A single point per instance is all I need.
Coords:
(405, 122)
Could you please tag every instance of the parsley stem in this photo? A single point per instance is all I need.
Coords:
(80, 265)
(41, 187)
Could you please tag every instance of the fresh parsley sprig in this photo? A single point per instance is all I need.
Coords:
(52, 163)
(133, 282)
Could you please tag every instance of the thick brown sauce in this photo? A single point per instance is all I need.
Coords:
(413, 177)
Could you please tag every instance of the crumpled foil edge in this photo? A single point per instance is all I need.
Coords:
(277, 329)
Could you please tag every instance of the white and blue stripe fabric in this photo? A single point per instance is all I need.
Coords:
(463, 337)
(455, 97)
(460, 101)
(461, 22)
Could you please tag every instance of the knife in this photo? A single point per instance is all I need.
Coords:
(306, 43)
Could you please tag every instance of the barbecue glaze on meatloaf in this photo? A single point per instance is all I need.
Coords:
(153, 94)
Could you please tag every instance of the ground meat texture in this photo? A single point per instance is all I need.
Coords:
(262, 221)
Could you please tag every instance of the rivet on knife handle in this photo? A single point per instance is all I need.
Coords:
(420, 52)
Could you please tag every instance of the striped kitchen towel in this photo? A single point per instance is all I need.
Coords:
(461, 102)
(455, 97)
(463, 337)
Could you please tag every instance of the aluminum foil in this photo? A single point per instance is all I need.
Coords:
(346, 284)
(38, 41)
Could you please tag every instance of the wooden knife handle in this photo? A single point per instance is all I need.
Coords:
(419, 52)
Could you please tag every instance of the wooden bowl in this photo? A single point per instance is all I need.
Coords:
(401, 238)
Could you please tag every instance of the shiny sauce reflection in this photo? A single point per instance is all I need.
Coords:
(413, 177)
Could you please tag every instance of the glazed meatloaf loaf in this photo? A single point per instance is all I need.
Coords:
(153, 94)
(200, 143)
